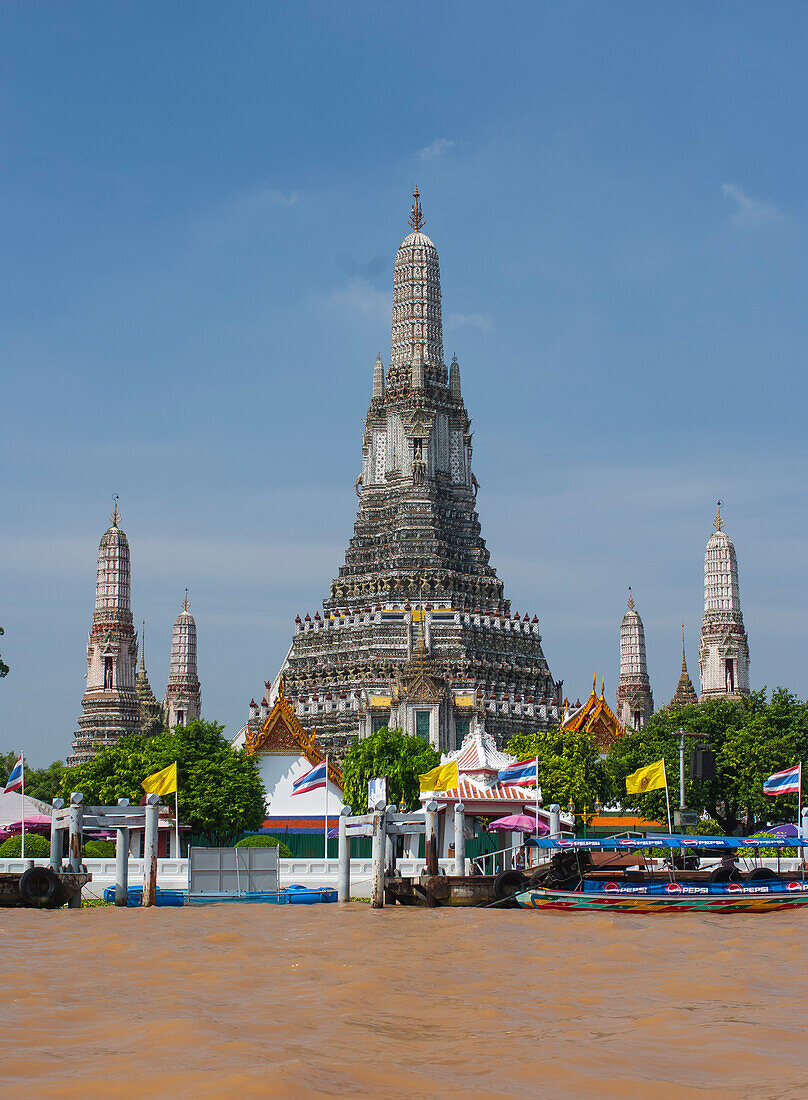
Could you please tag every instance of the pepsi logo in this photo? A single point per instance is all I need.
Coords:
(734, 887)
(674, 888)
(611, 887)
(794, 886)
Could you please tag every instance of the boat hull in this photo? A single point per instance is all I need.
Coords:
(673, 898)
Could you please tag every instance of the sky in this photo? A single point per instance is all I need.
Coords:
(200, 205)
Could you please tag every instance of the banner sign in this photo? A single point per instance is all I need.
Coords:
(619, 844)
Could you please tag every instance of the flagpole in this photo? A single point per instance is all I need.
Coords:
(667, 796)
(22, 842)
(799, 804)
(325, 829)
(177, 820)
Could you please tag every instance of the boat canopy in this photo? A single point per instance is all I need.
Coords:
(667, 840)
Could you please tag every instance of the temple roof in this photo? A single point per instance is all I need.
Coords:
(597, 718)
(281, 734)
(479, 754)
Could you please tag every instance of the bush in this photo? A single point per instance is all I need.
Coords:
(35, 846)
(261, 840)
(99, 849)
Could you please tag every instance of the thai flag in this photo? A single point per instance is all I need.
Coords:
(787, 782)
(14, 782)
(313, 780)
(522, 772)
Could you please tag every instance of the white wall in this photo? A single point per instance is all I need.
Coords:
(278, 773)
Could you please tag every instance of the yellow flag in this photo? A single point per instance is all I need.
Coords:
(164, 782)
(442, 778)
(651, 778)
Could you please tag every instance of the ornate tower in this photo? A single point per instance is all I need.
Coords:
(151, 713)
(635, 702)
(183, 695)
(724, 646)
(416, 630)
(110, 704)
(685, 694)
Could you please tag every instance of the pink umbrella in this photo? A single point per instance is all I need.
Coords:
(519, 823)
(35, 823)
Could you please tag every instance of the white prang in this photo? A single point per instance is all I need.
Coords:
(183, 700)
(724, 646)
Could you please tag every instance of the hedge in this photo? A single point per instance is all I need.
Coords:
(35, 846)
(260, 840)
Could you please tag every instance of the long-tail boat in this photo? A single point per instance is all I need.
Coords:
(619, 874)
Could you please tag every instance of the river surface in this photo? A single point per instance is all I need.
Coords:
(299, 1001)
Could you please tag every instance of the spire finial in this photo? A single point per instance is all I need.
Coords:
(718, 522)
(594, 683)
(143, 645)
(630, 599)
(684, 662)
(185, 604)
(116, 515)
(603, 688)
(416, 218)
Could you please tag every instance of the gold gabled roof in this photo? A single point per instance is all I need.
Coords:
(597, 718)
(282, 735)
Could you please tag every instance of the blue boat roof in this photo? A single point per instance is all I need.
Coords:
(666, 840)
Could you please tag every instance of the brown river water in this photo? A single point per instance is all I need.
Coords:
(299, 1001)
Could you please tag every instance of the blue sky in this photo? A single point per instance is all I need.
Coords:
(200, 204)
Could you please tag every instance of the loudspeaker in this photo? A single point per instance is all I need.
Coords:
(702, 764)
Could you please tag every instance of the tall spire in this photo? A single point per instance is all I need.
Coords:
(685, 694)
(417, 325)
(151, 713)
(635, 701)
(724, 645)
(183, 694)
(109, 704)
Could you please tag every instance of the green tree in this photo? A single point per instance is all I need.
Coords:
(570, 766)
(41, 783)
(4, 669)
(390, 753)
(220, 791)
(752, 738)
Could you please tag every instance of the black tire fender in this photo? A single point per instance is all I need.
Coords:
(509, 882)
(38, 886)
(725, 874)
(763, 874)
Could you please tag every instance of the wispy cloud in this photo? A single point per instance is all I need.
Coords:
(470, 320)
(435, 149)
(361, 297)
(750, 213)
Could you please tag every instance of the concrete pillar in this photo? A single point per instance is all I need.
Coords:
(555, 820)
(379, 838)
(55, 862)
(121, 860)
(460, 838)
(390, 844)
(804, 829)
(431, 848)
(74, 842)
(150, 850)
(344, 856)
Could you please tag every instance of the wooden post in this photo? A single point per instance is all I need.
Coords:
(555, 820)
(460, 838)
(121, 860)
(74, 843)
(390, 846)
(344, 856)
(150, 850)
(379, 837)
(431, 839)
(55, 862)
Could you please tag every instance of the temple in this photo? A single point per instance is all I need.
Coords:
(110, 707)
(635, 701)
(183, 701)
(596, 718)
(416, 632)
(685, 694)
(724, 646)
(151, 713)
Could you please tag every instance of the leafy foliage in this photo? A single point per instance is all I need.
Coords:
(99, 849)
(261, 840)
(4, 669)
(35, 846)
(220, 791)
(390, 753)
(752, 738)
(570, 766)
